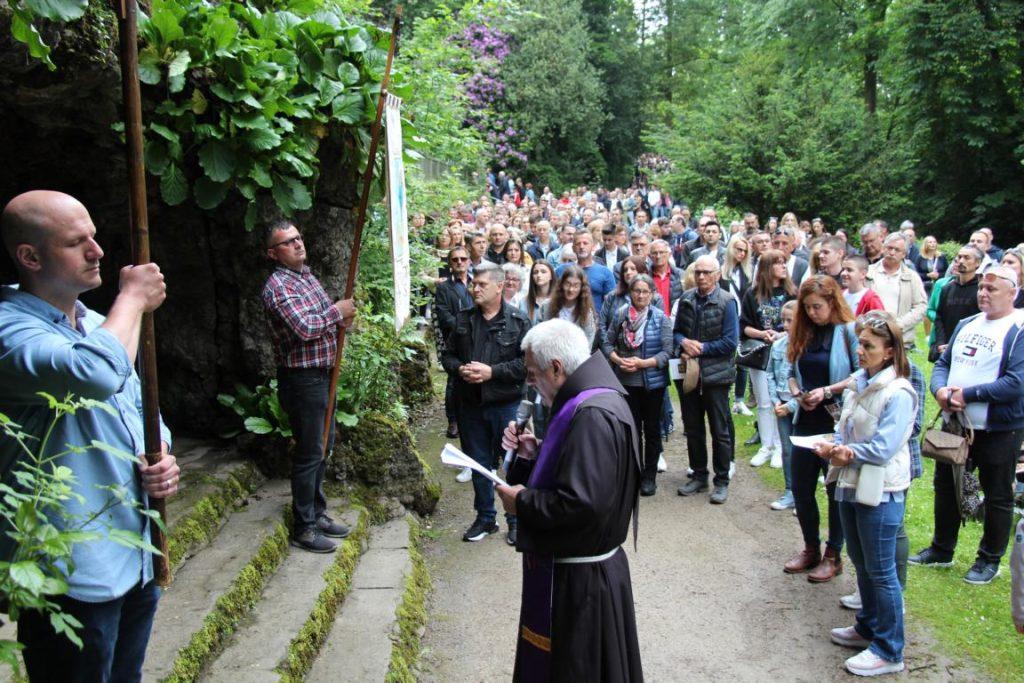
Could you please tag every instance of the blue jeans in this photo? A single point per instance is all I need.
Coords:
(785, 431)
(667, 414)
(114, 638)
(303, 396)
(871, 543)
(480, 429)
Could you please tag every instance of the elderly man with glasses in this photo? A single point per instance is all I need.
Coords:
(899, 287)
(784, 239)
(707, 330)
(304, 328)
(979, 378)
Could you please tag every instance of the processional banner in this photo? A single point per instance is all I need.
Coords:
(397, 211)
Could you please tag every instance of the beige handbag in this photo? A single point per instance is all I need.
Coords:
(950, 444)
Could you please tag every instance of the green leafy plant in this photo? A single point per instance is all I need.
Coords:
(34, 514)
(251, 92)
(25, 13)
(259, 409)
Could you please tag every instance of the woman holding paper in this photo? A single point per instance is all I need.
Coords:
(823, 353)
(638, 343)
(871, 464)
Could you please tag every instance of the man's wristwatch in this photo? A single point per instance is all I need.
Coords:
(828, 393)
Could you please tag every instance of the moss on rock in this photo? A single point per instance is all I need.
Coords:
(411, 614)
(416, 384)
(379, 453)
(338, 582)
(231, 607)
(201, 523)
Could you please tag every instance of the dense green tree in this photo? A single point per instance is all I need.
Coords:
(556, 93)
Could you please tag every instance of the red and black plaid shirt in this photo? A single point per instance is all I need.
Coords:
(303, 319)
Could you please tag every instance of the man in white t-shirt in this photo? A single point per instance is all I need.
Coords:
(981, 376)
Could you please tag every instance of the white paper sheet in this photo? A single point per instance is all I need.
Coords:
(453, 457)
(809, 441)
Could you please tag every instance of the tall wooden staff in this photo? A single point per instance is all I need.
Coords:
(364, 200)
(127, 19)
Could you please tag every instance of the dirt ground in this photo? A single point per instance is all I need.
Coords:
(712, 601)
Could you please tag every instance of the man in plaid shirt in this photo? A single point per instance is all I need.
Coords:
(304, 326)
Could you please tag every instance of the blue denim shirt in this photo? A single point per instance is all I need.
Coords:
(778, 372)
(41, 351)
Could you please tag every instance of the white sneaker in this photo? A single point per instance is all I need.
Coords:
(689, 472)
(740, 408)
(762, 456)
(662, 465)
(867, 663)
(776, 457)
(847, 636)
(732, 468)
(465, 475)
(851, 601)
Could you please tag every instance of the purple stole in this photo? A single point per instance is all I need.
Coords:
(533, 651)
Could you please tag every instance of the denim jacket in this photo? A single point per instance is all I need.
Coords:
(778, 372)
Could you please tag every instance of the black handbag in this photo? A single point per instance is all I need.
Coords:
(754, 354)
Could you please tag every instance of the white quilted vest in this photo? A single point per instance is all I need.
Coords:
(859, 421)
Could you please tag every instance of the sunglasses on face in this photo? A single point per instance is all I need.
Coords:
(459, 259)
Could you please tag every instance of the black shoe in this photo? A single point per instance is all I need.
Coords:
(313, 541)
(982, 572)
(453, 431)
(510, 537)
(754, 440)
(479, 530)
(693, 486)
(648, 487)
(720, 494)
(328, 527)
(929, 558)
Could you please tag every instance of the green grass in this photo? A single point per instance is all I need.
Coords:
(965, 619)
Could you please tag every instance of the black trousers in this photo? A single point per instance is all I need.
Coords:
(805, 468)
(995, 456)
(711, 403)
(303, 395)
(645, 404)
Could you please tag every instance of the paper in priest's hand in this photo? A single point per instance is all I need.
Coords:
(453, 457)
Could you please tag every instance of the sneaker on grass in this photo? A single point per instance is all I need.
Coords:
(982, 572)
(930, 558)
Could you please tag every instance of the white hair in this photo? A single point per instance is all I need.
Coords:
(558, 340)
(513, 269)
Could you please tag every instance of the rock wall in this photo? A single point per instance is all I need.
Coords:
(211, 332)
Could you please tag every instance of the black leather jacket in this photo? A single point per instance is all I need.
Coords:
(500, 346)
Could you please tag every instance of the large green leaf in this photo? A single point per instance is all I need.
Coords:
(348, 73)
(58, 10)
(149, 66)
(290, 194)
(156, 156)
(173, 185)
(347, 107)
(179, 64)
(258, 425)
(23, 30)
(262, 139)
(218, 160)
(27, 575)
(167, 24)
(222, 32)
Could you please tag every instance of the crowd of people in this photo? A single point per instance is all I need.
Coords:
(818, 329)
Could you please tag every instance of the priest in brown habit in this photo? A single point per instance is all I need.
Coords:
(574, 494)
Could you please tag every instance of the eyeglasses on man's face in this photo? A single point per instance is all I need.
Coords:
(704, 273)
(290, 242)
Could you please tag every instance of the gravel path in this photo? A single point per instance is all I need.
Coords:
(712, 601)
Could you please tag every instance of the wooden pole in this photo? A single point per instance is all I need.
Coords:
(364, 200)
(127, 15)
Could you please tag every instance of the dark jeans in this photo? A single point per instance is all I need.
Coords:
(785, 431)
(712, 402)
(741, 382)
(449, 398)
(114, 638)
(646, 404)
(667, 415)
(995, 455)
(303, 396)
(480, 429)
(872, 547)
(903, 545)
(805, 468)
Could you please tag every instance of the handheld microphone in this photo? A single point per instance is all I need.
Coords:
(523, 414)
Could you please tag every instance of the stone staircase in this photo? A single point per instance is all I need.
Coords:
(246, 606)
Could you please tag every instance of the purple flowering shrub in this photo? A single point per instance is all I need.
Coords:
(485, 90)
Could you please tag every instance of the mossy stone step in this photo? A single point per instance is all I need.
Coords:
(265, 645)
(214, 589)
(358, 647)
